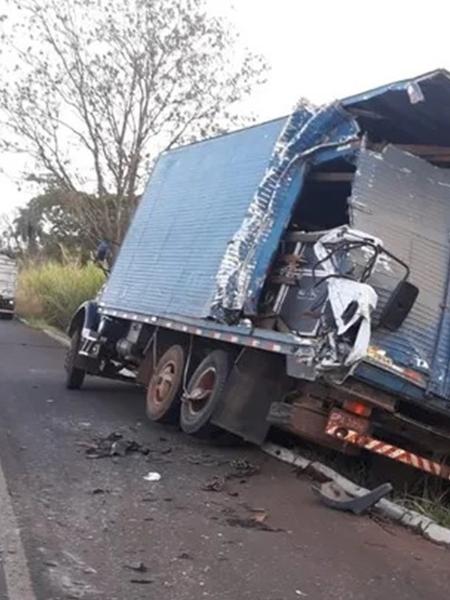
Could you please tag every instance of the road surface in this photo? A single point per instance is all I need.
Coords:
(93, 528)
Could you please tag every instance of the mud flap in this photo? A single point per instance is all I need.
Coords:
(255, 380)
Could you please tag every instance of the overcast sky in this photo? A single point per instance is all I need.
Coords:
(321, 50)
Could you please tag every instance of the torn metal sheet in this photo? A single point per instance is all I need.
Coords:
(416, 228)
(412, 111)
(243, 269)
(334, 496)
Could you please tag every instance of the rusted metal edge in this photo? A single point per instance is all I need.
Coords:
(411, 519)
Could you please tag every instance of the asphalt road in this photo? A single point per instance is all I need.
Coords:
(77, 527)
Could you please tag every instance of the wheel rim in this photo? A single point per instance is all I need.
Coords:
(202, 390)
(164, 383)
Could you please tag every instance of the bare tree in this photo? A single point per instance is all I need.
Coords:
(96, 88)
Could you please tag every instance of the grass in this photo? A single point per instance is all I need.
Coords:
(51, 292)
(436, 508)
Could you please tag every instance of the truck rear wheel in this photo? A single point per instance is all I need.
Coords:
(75, 376)
(163, 392)
(204, 393)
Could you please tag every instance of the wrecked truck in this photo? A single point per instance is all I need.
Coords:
(293, 275)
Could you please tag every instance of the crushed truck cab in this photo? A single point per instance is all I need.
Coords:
(294, 274)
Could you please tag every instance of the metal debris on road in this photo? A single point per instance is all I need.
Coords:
(242, 469)
(152, 476)
(136, 566)
(113, 445)
(334, 496)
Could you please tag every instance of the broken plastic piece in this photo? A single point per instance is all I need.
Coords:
(331, 494)
(152, 476)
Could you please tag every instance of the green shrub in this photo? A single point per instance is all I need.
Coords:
(52, 291)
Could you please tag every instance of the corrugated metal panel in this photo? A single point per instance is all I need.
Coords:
(406, 202)
(211, 219)
(308, 133)
(196, 200)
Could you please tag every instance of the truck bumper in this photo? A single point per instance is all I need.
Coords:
(340, 427)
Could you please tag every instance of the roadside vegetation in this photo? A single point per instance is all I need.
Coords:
(51, 292)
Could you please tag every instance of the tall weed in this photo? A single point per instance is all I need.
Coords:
(52, 291)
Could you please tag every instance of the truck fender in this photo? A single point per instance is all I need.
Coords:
(85, 317)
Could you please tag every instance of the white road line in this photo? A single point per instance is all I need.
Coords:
(15, 566)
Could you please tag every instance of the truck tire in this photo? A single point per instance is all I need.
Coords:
(163, 392)
(204, 393)
(74, 375)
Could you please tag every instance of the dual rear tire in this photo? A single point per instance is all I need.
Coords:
(168, 400)
(194, 406)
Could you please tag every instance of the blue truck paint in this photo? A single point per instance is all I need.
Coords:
(219, 186)
(240, 186)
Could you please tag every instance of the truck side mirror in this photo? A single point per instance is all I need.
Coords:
(398, 306)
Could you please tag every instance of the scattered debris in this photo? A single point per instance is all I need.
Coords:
(99, 490)
(152, 476)
(251, 523)
(216, 484)
(113, 445)
(256, 520)
(259, 515)
(50, 563)
(205, 460)
(137, 566)
(242, 468)
(334, 496)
